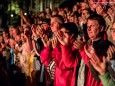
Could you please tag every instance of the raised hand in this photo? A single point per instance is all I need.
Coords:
(89, 50)
(33, 28)
(21, 13)
(78, 44)
(62, 39)
(111, 53)
(40, 31)
(27, 33)
(100, 66)
(54, 42)
(46, 41)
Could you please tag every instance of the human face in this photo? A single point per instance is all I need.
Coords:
(10, 31)
(4, 34)
(47, 10)
(71, 19)
(62, 14)
(66, 33)
(99, 9)
(14, 32)
(83, 5)
(45, 26)
(85, 14)
(55, 24)
(12, 43)
(74, 8)
(92, 5)
(18, 38)
(93, 29)
(113, 31)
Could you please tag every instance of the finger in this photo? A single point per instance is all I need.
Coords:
(104, 59)
(46, 38)
(55, 40)
(75, 46)
(95, 57)
(80, 41)
(76, 42)
(92, 62)
(43, 40)
(85, 47)
(52, 41)
(109, 52)
(109, 55)
(83, 38)
(58, 36)
(86, 50)
(111, 49)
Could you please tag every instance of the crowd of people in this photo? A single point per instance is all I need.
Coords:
(61, 47)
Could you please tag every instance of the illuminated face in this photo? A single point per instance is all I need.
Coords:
(83, 6)
(45, 26)
(99, 9)
(93, 29)
(17, 38)
(85, 14)
(71, 19)
(10, 31)
(14, 32)
(66, 33)
(4, 34)
(113, 31)
(55, 24)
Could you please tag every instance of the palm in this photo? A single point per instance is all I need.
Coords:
(100, 66)
(89, 50)
(62, 39)
(46, 41)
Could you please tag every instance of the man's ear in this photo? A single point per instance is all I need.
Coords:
(101, 28)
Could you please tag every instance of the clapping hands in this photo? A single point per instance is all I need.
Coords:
(46, 41)
(62, 38)
(99, 65)
(111, 53)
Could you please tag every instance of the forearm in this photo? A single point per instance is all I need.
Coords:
(107, 80)
(25, 20)
(67, 56)
(84, 57)
(46, 56)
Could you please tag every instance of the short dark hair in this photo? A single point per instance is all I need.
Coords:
(71, 27)
(99, 18)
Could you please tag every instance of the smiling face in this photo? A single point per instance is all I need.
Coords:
(93, 29)
(66, 33)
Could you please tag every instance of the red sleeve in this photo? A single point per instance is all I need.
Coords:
(67, 56)
(84, 56)
(46, 56)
